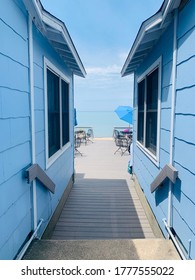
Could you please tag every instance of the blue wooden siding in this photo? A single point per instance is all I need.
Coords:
(15, 151)
(15, 141)
(184, 202)
(184, 139)
(145, 169)
(62, 169)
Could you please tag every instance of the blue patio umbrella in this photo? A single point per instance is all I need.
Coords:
(125, 113)
(75, 117)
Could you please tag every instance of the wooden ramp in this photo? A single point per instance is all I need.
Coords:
(103, 203)
(102, 209)
(103, 218)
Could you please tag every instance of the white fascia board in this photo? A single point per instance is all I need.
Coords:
(131, 54)
(171, 5)
(51, 21)
(154, 23)
(34, 11)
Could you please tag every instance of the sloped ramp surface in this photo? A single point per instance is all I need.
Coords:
(102, 209)
(103, 217)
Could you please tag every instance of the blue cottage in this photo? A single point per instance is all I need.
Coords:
(37, 63)
(162, 60)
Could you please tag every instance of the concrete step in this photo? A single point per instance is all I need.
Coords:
(118, 249)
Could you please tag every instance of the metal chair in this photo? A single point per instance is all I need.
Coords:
(89, 135)
(123, 145)
(77, 144)
(116, 134)
(81, 134)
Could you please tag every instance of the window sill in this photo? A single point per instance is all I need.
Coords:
(152, 157)
(52, 159)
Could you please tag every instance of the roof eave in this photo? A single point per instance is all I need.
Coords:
(59, 26)
(151, 28)
(47, 23)
(146, 25)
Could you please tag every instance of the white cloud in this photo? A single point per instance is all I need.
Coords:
(109, 70)
(103, 89)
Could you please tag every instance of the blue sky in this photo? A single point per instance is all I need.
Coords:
(103, 32)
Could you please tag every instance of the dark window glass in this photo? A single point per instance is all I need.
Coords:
(148, 108)
(152, 111)
(141, 97)
(53, 96)
(65, 112)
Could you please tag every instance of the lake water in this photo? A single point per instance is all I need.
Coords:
(102, 122)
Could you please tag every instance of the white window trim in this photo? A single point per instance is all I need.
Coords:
(154, 158)
(54, 157)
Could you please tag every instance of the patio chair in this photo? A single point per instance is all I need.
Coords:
(81, 134)
(116, 134)
(89, 135)
(77, 144)
(123, 145)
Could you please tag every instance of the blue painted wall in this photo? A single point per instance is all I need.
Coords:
(62, 169)
(144, 168)
(15, 141)
(15, 151)
(184, 198)
(184, 139)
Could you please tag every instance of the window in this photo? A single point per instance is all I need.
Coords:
(141, 97)
(147, 125)
(57, 116)
(65, 112)
(53, 99)
(151, 111)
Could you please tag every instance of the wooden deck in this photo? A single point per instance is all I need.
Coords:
(103, 203)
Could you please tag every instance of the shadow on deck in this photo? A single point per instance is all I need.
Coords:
(102, 209)
(103, 217)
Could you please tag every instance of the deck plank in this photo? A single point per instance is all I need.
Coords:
(103, 203)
